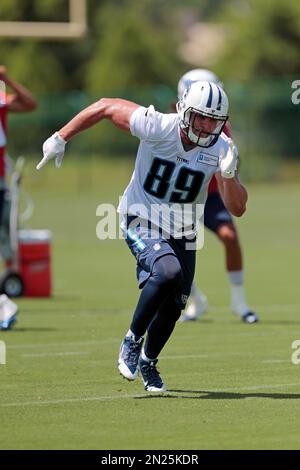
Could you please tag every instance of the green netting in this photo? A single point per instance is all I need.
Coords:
(265, 123)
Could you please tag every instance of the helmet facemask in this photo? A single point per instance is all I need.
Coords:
(202, 137)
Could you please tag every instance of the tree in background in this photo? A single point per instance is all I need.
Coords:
(133, 59)
(126, 50)
(131, 50)
(263, 39)
(259, 62)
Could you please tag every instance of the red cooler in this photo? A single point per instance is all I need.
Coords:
(35, 262)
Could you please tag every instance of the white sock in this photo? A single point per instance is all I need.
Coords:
(238, 297)
(145, 358)
(236, 277)
(129, 334)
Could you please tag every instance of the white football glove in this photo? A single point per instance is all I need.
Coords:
(54, 147)
(228, 162)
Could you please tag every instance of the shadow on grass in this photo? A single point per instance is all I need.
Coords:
(201, 320)
(208, 395)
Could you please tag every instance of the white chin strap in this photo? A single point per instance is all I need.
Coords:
(202, 142)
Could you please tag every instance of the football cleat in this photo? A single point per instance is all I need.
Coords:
(150, 375)
(249, 317)
(129, 354)
(8, 313)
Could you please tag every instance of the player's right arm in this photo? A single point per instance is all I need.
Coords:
(118, 111)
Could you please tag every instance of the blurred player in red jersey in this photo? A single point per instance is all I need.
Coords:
(18, 100)
(218, 219)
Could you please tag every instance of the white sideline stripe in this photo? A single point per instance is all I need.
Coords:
(56, 354)
(275, 361)
(274, 308)
(73, 400)
(72, 343)
(124, 397)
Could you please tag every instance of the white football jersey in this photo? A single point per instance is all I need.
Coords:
(168, 185)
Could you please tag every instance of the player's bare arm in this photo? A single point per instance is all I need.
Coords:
(21, 100)
(118, 111)
(233, 194)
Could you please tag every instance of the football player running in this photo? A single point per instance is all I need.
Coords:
(218, 219)
(170, 172)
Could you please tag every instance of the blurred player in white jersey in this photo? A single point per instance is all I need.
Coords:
(177, 156)
(18, 100)
(219, 220)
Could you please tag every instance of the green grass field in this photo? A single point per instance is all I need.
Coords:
(230, 385)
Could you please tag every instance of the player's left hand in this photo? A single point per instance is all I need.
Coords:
(54, 147)
(228, 162)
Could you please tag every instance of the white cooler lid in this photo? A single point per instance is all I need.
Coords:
(35, 235)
